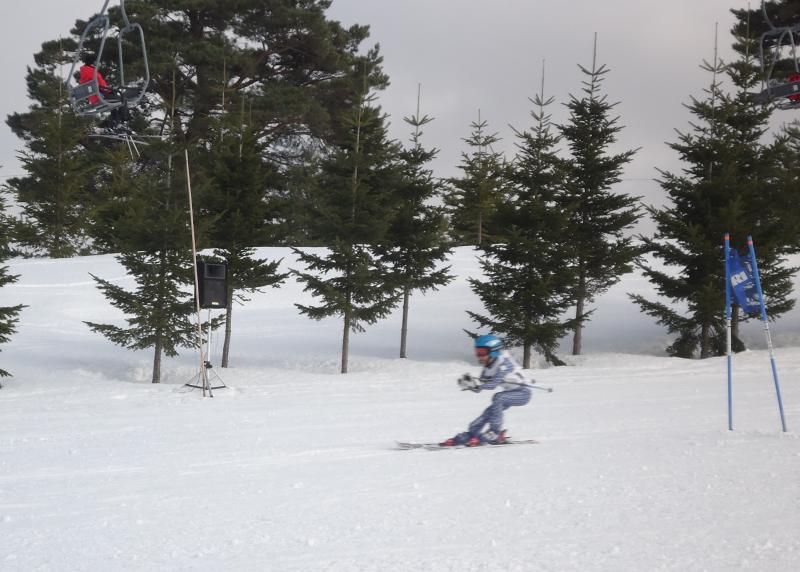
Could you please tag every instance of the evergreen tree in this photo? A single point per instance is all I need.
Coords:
(8, 314)
(295, 68)
(732, 183)
(599, 217)
(786, 199)
(291, 60)
(769, 201)
(528, 271)
(54, 194)
(415, 245)
(292, 202)
(239, 207)
(145, 220)
(354, 209)
(473, 198)
(683, 238)
(294, 62)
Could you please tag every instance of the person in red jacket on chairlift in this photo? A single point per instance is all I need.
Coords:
(118, 115)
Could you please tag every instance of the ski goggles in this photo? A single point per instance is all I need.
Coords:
(482, 352)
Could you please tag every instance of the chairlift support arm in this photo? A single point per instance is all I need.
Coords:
(81, 94)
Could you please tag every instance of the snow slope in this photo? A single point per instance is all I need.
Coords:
(291, 466)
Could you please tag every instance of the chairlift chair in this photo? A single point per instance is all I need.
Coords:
(87, 99)
(784, 94)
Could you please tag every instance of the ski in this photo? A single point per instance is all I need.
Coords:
(402, 446)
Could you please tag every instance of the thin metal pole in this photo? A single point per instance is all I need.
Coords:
(528, 385)
(539, 387)
(203, 377)
(728, 328)
(767, 334)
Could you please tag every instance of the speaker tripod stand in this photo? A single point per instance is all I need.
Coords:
(206, 378)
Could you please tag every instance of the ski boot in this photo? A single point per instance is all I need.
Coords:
(492, 438)
(460, 439)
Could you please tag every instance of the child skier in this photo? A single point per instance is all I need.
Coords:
(499, 370)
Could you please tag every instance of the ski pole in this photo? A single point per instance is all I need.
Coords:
(530, 386)
(533, 386)
(542, 387)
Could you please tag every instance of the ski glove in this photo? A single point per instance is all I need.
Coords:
(467, 382)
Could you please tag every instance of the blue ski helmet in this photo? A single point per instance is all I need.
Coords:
(491, 343)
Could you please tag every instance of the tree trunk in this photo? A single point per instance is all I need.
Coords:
(404, 327)
(345, 341)
(162, 264)
(704, 341)
(226, 347)
(526, 356)
(577, 339)
(157, 361)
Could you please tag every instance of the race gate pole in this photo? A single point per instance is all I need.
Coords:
(767, 334)
(728, 328)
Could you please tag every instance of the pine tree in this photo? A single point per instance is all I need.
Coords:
(770, 205)
(732, 182)
(786, 201)
(286, 55)
(415, 246)
(473, 198)
(528, 271)
(599, 217)
(239, 208)
(145, 220)
(354, 208)
(295, 66)
(8, 314)
(683, 238)
(292, 202)
(54, 195)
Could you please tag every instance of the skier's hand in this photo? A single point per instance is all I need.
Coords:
(467, 382)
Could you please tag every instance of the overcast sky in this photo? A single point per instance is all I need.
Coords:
(485, 55)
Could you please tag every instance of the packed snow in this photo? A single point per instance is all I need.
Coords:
(292, 466)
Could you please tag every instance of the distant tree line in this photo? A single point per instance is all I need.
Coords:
(276, 106)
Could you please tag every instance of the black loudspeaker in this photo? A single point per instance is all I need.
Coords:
(212, 284)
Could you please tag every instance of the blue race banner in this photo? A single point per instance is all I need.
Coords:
(742, 284)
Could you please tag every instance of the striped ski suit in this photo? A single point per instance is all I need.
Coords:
(505, 373)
